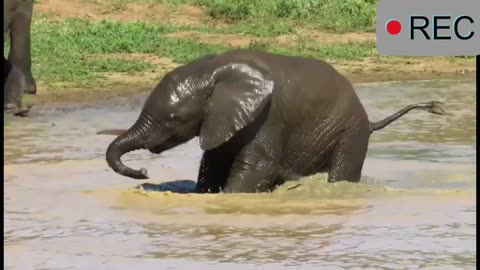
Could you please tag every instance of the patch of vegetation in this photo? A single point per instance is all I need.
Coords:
(81, 54)
(344, 15)
(332, 51)
(333, 15)
(257, 28)
(62, 51)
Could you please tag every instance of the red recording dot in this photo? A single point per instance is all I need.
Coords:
(394, 27)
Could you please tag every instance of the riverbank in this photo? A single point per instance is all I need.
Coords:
(87, 51)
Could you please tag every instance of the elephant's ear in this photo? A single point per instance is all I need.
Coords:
(236, 100)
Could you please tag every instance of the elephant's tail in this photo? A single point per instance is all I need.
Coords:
(434, 107)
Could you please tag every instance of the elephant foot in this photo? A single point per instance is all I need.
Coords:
(30, 87)
(10, 107)
(17, 111)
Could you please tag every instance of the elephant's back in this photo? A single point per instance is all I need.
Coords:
(304, 88)
(308, 81)
(315, 103)
(311, 89)
(318, 105)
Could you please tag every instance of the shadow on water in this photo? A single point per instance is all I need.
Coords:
(414, 207)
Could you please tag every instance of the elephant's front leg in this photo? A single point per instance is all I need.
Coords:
(214, 169)
(255, 169)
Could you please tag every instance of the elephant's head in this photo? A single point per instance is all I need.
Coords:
(204, 99)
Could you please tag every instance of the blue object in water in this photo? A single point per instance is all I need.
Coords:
(176, 186)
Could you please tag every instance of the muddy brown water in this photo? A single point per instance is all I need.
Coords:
(414, 208)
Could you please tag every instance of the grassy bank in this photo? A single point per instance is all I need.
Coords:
(334, 15)
(130, 44)
(345, 15)
(79, 53)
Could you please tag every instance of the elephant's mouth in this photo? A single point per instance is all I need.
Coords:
(158, 149)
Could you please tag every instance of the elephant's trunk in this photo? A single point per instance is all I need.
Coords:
(131, 140)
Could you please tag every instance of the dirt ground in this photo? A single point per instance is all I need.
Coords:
(97, 10)
(122, 85)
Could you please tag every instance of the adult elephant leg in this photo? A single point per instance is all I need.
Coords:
(13, 86)
(20, 54)
(348, 157)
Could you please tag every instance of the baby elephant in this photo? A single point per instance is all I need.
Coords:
(262, 119)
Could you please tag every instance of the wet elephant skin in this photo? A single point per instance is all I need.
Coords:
(261, 118)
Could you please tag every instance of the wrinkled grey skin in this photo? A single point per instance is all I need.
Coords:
(17, 19)
(262, 119)
(13, 89)
(13, 86)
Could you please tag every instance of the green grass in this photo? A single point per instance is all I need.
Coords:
(332, 51)
(335, 15)
(62, 51)
(65, 51)
(330, 15)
